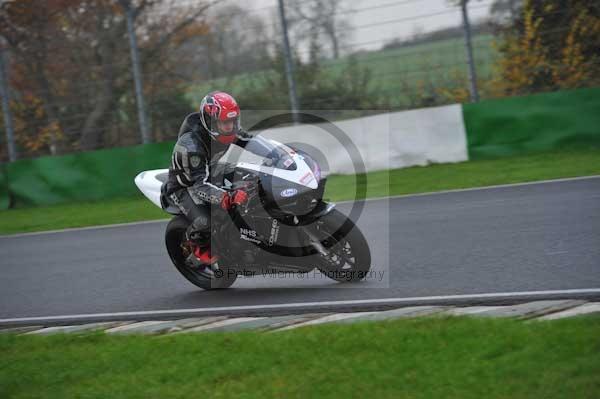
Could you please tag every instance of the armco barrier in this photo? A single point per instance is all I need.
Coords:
(83, 176)
(541, 122)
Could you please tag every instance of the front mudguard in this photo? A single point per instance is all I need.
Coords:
(322, 209)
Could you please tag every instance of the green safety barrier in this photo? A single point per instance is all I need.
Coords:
(85, 176)
(541, 122)
(4, 197)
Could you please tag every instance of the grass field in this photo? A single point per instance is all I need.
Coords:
(379, 184)
(414, 358)
(433, 62)
(397, 72)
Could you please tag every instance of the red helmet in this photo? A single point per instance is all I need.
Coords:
(220, 106)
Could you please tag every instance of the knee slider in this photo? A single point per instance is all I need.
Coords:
(199, 230)
(201, 225)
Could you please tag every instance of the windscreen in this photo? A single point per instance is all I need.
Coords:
(261, 151)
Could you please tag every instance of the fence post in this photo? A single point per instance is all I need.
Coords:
(472, 72)
(5, 94)
(137, 74)
(289, 65)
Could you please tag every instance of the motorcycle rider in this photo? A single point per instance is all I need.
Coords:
(203, 138)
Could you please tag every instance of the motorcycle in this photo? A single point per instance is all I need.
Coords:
(285, 226)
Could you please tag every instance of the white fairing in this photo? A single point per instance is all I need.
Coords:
(303, 175)
(150, 185)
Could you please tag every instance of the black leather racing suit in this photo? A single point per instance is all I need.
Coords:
(189, 186)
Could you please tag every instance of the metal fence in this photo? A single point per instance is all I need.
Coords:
(81, 75)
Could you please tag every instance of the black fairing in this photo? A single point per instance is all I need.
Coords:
(277, 199)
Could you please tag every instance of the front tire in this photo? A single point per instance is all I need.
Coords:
(174, 240)
(350, 256)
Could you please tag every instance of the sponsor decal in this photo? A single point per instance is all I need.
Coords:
(232, 114)
(274, 232)
(307, 178)
(287, 162)
(317, 172)
(175, 199)
(249, 235)
(248, 232)
(254, 240)
(289, 192)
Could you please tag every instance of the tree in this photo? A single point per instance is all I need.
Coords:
(319, 88)
(553, 44)
(71, 61)
(26, 26)
(313, 18)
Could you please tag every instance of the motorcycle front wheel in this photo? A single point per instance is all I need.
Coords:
(349, 256)
(179, 252)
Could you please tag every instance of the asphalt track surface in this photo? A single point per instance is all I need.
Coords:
(507, 239)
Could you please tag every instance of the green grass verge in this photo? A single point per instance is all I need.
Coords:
(118, 210)
(480, 173)
(415, 358)
(395, 182)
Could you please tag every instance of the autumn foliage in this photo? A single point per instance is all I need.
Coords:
(553, 45)
(70, 69)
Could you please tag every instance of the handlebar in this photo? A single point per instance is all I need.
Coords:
(252, 192)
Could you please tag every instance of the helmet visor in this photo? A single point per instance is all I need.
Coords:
(226, 127)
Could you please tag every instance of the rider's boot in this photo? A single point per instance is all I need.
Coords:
(204, 255)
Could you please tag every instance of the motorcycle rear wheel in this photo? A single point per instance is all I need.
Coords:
(174, 240)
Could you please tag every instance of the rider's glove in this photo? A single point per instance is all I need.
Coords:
(237, 198)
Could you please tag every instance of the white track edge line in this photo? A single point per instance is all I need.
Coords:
(296, 305)
(457, 190)
(75, 229)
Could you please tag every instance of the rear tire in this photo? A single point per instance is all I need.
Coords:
(347, 241)
(174, 238)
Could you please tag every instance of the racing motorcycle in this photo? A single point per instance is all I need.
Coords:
(285, 226)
